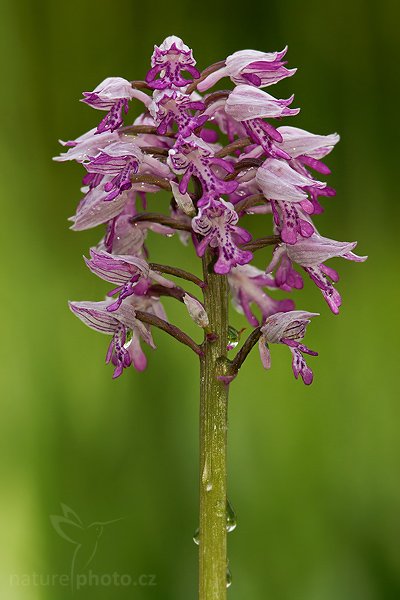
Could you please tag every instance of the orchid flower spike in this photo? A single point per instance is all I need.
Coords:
(217, 157)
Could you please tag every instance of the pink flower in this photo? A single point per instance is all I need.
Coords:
(193, 156)
(125, 329)
(88, 144)
(216, 222)
(310, 254)
(113, 94)
(121, 160)
(288, 328)
(251, 66)
(250, 106)
(131, 274)
(168, 61)
(172, 106)
(247, 284)
(284, 186)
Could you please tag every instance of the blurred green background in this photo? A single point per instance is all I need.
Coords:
(313, 472)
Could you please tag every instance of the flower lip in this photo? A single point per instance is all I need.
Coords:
(216, 222)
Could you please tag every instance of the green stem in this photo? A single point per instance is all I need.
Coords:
(213, 438)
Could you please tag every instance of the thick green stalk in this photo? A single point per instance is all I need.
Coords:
(213, 437)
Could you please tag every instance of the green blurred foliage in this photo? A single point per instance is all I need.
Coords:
(314, 472)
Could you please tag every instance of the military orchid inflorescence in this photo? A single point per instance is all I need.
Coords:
(221, 156)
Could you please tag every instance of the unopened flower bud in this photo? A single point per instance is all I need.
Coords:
(196, 310)
(183, 201)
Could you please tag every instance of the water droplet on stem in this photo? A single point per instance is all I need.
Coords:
(228, 577)
(233, 337)
(196, 537)
(231, 522)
